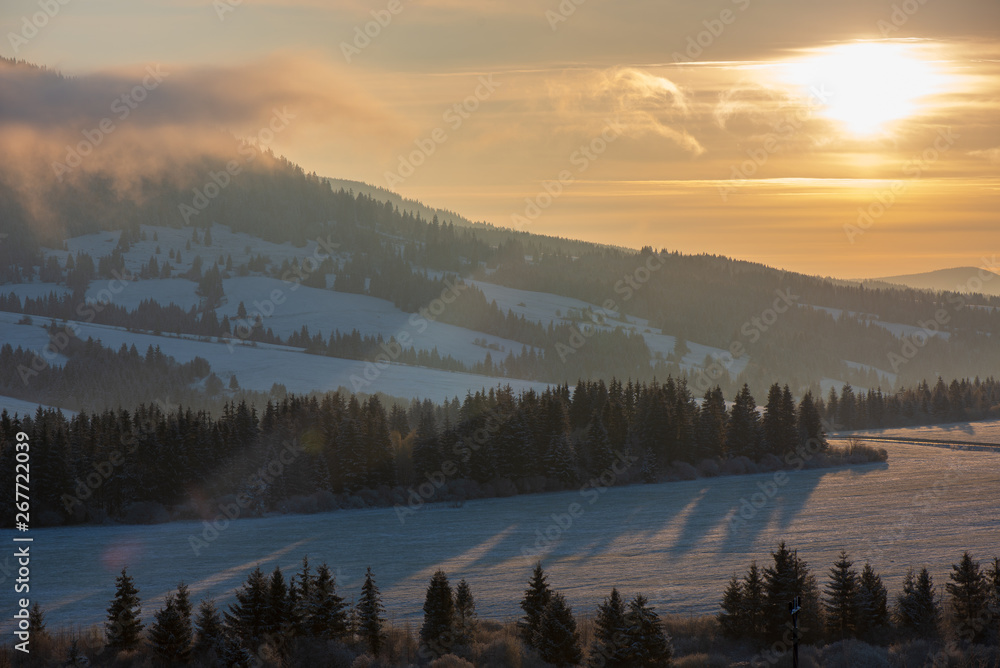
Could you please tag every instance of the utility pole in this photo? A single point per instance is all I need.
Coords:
(794, 608)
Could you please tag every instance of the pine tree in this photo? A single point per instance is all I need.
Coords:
(36, 619)
(300, 591)
(916, 606)
(278, 612)
(873, 612)
(842, 599)
(208, 626)
(536, 597)
(436, 635)
(170, 633)
(731, 619)
(993, 591)
(754, 603)
(743, 432)
(327, 611)
(371, 623)
(183, 601)
(608, 647)
(124, 627)
(466, 621)
(246, 619)
(557, 640)
(647, 644)
(787, 578)
(969, 599)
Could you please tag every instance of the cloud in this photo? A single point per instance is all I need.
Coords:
(641, 102)
(991, 154)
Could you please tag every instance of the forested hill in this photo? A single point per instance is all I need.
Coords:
(532, 307)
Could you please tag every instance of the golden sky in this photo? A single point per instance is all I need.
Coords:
(848, 139)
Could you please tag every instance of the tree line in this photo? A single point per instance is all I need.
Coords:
(305, 619)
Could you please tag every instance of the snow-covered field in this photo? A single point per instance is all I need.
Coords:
(259, 367)
(987, 432)
(673, 541)
(20, 407)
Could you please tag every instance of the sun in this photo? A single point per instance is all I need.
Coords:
(866, 86)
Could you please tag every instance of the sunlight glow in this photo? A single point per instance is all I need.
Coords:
(869, 84)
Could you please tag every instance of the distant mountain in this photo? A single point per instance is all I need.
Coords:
(958, 279)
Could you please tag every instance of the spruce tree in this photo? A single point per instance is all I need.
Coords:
(754, 603)
(278, 612)
(608, 648)
(300, 592)
(743, 431)
(36, 620)
(208, 626)
(647, 644)
(170, 633)
(436, 634)
(916, 606)
(466, 620)
(842, 599)
(969, 599)
(787, 578)
(123, 628)
(371, 623)
(557, 640)
(327, 615)
(246, 618)
(536, 597)
(873, 612)
(183, 601)
(731, 619)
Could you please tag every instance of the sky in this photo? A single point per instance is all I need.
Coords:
(851, 139)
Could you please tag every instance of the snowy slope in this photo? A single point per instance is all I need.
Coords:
(259, 367)
(20, 407)
(672, 542)
(545, 307)
(897, 329)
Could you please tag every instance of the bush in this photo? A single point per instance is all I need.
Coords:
(709, 468)
(702, 661)
(146, 512)
(855, 653)
(684, 471)
(450, 661)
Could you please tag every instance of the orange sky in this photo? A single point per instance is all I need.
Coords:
(759, 129)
